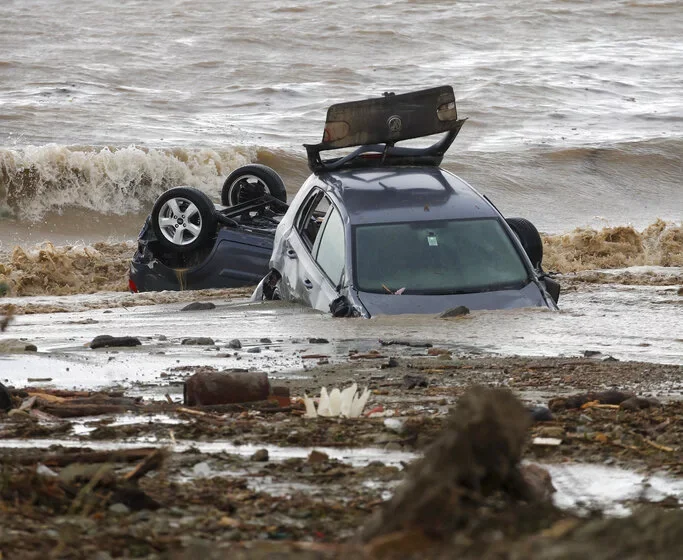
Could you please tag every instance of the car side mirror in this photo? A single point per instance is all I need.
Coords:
(552, 287)
(341, 307)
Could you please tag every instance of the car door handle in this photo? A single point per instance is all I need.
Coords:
(291, 253)
(308, 284)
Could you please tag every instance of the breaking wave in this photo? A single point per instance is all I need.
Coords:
(46, 269)
(100, 267)
(558, 187)
(660, 244)
(36, 180)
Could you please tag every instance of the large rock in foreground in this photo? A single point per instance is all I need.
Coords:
(477, 454)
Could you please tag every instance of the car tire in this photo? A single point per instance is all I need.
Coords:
(531, 240)
(183, 219)
(250, 182)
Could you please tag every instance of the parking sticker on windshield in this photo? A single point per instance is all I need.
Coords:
(431, 239)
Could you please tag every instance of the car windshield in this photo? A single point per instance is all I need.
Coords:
(444, 257)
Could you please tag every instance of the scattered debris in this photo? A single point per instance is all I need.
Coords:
(637, 403)
(372, 355)
(235, 504)
(439, 352)
(280, 394)
(547, 441)
(346, 403)
(409, 343)
(412, 381)
(226, 387)
(577, 401)
(392, 363)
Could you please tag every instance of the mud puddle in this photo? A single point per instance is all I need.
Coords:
(354, 457)
(586, 488)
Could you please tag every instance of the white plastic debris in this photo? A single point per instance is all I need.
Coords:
(395, 424)
(335, 402)
(202, 470)
(323, 404)
(547, 441)
(42, 470)
(347, 403)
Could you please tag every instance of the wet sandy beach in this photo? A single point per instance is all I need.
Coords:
(253, 482)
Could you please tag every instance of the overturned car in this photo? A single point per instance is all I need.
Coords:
(380, 230)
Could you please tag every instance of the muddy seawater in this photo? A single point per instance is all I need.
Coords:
(573, 122)
(625, 321)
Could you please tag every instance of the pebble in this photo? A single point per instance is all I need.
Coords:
(318, 457)
(14, 345)
(107, 341)
(261, 456)
(199, 341)
(199, 306)
(201, 469)
(235, 344)
(412, 381)
(392, 363)
(455, 312)
(318, 341)
(119, 508)
(551, 432)
(637, 403)
(540, 414)
(265, 341)
(5, 398)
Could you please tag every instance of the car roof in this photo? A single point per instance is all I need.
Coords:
(404, 194)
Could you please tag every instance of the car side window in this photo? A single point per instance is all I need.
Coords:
(312, 215)
(329, 251)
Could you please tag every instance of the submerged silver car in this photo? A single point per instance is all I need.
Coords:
(385, 230)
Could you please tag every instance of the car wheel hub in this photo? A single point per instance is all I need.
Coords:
(180, 221)
(246, 188)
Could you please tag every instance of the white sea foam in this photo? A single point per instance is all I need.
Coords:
(35, 180)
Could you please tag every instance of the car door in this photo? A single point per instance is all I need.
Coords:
(329, 253)
(304, 278)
